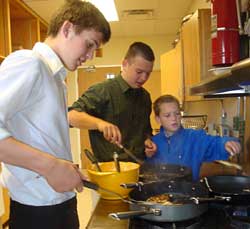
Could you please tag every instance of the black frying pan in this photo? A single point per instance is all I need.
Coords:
(186, 209)
(237, 187)
(160, 172)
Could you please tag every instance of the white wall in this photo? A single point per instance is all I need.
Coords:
(199, 4)
(115, 49)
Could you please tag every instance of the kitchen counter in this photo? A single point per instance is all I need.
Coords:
(100, 218)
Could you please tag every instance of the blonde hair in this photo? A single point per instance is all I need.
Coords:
(164, 99)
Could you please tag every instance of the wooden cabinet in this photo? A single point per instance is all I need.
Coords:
(5, 45)
(196, 44)
(172, 73)
(20, 27)
(188, 63)
(6, 202)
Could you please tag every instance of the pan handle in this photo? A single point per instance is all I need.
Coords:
(130, 214)
(200, 200)
(132, 185)
(90, 185)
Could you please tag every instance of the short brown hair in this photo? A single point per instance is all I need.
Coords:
(164, 99)
(140, 49)
(83, 15)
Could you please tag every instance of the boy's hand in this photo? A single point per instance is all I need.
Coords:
(110, 131)
(150, 148)
(233, 147)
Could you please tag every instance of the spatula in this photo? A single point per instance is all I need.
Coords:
(93, 159)
(129, 153)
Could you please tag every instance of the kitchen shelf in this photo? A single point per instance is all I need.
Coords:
(234, 81)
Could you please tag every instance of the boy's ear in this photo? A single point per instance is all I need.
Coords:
(124, 63)
(67, 29)
(157, 119)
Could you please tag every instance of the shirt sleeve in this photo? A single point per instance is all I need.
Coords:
(18, 75)
(210, 148)
(92, 101)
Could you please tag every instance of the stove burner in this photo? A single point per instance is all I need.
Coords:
(218, 216)
(137, 223)
(214, 218)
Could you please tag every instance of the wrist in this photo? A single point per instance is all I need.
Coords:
(46, 164)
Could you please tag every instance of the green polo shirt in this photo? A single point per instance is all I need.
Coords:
(113, 100)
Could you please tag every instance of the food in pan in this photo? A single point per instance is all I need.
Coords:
(164, 199)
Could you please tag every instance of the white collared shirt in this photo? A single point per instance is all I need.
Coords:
(33, 110)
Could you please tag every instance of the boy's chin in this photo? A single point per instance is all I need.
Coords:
(173, 130)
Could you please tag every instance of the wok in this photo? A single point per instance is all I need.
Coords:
(236, 187)
(186, 209)
(160, 171)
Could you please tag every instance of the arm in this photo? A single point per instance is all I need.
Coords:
(210, 148)
(19, 154)
(83, 120)
(87, 111)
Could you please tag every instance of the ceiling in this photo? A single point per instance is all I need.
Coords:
(163, 17)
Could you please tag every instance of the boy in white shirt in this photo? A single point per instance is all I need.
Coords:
(34, 134)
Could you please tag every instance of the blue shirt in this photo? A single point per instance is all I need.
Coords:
(190, 148)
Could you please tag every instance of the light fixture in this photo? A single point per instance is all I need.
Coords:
(107, 7)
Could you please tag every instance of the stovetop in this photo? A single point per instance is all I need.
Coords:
(216, 217)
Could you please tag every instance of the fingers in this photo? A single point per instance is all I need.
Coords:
(64, 176)
(110, 131)
(233, 147)
(148, 143)
(150, 148)
(79, 187)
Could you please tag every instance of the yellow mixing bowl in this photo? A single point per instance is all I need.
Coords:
(110, 179)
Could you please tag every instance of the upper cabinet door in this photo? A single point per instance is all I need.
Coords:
(172, 73)
(5, 44)
(196, 43)
(20, 27)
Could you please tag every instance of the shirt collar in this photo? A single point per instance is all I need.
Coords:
(163, 132)
(51, 59)
(125, 86)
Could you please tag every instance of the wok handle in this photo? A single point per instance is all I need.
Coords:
(132, 185)
(130, 214)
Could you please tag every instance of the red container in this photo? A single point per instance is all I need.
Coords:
(225, 34)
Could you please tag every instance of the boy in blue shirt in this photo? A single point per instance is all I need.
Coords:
(188, 147)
